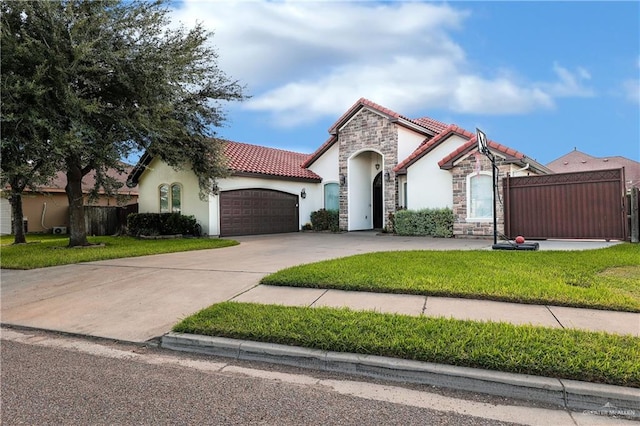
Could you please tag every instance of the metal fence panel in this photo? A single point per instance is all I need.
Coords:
(586, 205)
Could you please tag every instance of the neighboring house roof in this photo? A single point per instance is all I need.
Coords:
(577, 161)
(59, 181)
(246, 159)
(425, 125)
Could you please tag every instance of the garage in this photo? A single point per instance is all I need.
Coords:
(258, 211)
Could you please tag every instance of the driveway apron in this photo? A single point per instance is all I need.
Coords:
(137, 299)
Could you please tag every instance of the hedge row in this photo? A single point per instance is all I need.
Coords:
(434, 222)
(152, 224)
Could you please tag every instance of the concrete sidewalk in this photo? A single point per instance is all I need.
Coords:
(464, 309)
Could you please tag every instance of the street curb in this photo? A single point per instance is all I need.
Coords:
(569, 394)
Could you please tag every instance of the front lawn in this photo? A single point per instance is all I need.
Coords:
(50, 250)
(602, 279)
(561, 353)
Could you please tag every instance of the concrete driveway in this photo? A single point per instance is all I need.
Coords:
(136, 299)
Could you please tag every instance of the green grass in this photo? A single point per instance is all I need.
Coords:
(49, 250)
(602, 279)
(561, 353)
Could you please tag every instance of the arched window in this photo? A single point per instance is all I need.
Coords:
(170, 198)
(176, 198)
(479, 197)
(331, 196)
(164, 198)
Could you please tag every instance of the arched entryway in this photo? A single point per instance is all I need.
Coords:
(378, 205)
(365, 191)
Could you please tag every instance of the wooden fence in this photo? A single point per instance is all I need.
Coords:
(107, 220)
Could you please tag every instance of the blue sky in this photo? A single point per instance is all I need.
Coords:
(539, 77)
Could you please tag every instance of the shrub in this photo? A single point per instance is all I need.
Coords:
(434, 222)
(161, 224)
(323, 220)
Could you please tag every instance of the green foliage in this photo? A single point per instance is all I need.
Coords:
(51, 250)
(567, 278)
(108, 78)
(568, 354)
(161, 224)
(434, 222)
(25, 131)
(325, 220)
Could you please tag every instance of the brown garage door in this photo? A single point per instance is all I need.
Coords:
(257, 211)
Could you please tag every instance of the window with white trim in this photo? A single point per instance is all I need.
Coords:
(479, 196)
(332, 196)
(170, 198)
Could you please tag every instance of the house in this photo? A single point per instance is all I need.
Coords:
(374, 163)
(577, 161)
(48, 207)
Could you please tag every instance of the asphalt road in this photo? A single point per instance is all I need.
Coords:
(49, 379)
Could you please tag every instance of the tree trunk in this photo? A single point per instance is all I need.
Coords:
(77, 227)
(16, 209)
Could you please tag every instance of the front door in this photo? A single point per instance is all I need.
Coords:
(377, 201)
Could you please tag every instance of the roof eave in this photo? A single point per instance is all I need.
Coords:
(278, 177)
(138, 170)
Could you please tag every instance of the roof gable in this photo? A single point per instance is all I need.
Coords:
(509, 154)
(428, 145)
(425, 125)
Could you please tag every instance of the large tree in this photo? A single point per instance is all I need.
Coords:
(122, 79)
(26, 136)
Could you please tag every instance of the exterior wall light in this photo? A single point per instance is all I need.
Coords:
(303, 193)
(377, 166)
(387, 176)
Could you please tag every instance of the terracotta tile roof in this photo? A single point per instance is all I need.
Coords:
(247, 158)
(59, 181)
(577, 161)
(428, 125)
(510, 155)
(431, 124)
(429, 144)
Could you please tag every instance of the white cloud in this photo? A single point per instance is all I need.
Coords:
(304, 61)
(632, 90)
(570, 83)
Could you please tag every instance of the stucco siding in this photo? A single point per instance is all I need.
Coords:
(428, 186)
(327, 165)
(158, 173)
(408, 141)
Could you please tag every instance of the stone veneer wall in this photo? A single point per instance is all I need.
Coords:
(368, 130)
(462, 228)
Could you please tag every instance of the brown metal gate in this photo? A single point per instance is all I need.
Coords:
(588, 205)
